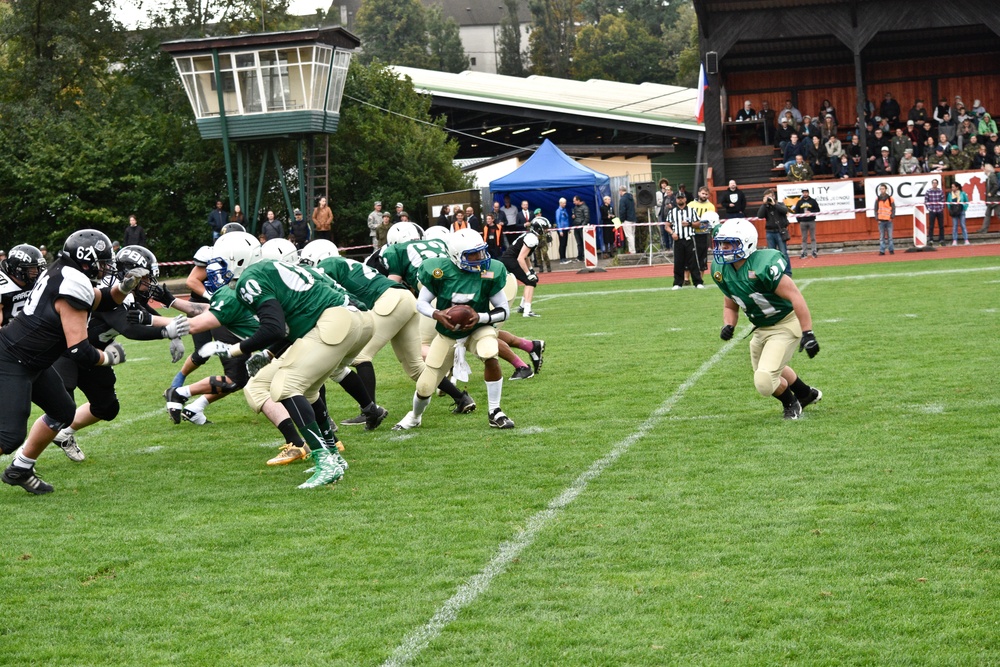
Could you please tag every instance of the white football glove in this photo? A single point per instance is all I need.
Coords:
(214, 349)
(132, 279)
(176, 350)
(114, 354)
(179, 326)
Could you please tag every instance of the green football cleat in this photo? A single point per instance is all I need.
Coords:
(327, 470)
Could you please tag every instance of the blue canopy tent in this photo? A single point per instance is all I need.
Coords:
(548, 175)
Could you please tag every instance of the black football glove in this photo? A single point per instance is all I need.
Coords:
(727, 332)
(139, 317)
(809, 344)
(159, 292)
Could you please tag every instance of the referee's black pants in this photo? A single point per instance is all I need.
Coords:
(686, 259)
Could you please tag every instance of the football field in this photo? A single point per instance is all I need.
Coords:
(650, 508)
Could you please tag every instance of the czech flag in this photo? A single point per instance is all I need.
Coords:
(702, 87)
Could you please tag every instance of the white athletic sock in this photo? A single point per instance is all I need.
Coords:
(65, 433)
(527, 306)
(493, 391)
(22, 461)
(184, 391)
(522, 302)
(199, 404)
(419, 405)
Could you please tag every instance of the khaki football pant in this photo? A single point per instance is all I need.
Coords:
(771, 348)
(482, 342)
(397, 321)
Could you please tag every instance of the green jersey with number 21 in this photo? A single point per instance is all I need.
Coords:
(752, 286)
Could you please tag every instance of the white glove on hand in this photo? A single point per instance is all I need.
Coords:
(114, 354)
(132, 279)
(176, 350)
(214, 349)
(179, 326)
(257, 361)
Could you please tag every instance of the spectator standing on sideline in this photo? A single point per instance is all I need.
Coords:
(562, 229)
(665, 201)
(734, 202)
(236, 217)
(322, 218)
(298, 230)
(383, 230)
(581, 217)
(523, 219)
(397, 216)
(626, 213)
(459, 222)
(934, 204)
(885, 211)
(606, 228)
(473, 219)
(134, 233)
(509, 221)
(702, 233)
(444, 217)
(374, 222)
(958, 204)
(681, 224)
(775, 216)
(46, 255)
(217, 219)
(805, 210)
(493, 235)
(992, 197)
(272, 229)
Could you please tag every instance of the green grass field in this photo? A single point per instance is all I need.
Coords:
(650, 508)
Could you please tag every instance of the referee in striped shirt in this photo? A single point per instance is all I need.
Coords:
(681, 223)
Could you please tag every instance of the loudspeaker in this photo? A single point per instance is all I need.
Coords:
(712, 62)
(645, 194)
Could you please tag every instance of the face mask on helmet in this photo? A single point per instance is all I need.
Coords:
(468, 251)
(24, 263)
(137, 257)
(316, 251)
(235, 252)
(216, 275)
(735, 240)
(232, 227)
(90, 251)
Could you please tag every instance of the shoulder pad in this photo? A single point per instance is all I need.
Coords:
(204, 255)
(76, 286)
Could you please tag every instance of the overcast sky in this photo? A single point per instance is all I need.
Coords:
(131, 16)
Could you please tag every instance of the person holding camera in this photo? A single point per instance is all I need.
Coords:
(775, 215)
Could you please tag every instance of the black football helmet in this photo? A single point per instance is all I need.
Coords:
(24, 264)
(232, 227)
(137, 257)
(90, 251)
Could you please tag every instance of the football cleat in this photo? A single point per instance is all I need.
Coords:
(499, 420)
(26, 479)
(523, 373)
(793, 411)
(531, 313)
(175, 404)
(198, 418)
(464, 405)
(341, 461)
(289, 453)
(407, 422)
(70, 448)
(355, 421)
(375, 417)
(327, 470)
(537, 350)
(815, 396)
(520, 310)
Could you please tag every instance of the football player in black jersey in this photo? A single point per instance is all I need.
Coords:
(135, 319)
(53, 322)
(18, 274)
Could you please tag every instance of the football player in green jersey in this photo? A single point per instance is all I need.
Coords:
(754, 281)
(468, 276)
(325, 329)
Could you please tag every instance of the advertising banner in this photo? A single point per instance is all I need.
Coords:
(905, 190)
(835, 198)
(974, 185)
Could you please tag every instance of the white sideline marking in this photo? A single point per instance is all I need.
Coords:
(151, 450)
(468, 592)
(827, 279)
(531, 430)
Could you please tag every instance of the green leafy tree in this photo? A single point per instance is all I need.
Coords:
(618, 48)
(553, 36)
(445, 42)
(681, 54)
(387, 148)
(656, 15)
(511, 59)
(393, 31)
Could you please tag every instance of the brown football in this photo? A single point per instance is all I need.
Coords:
(463, 316)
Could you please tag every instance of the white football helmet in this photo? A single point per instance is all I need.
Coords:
(437, 232)
(740, 236)
(402, 232)
(709, 219)
(316, 251)
(280, 250)
(236, 251)
(468, 250)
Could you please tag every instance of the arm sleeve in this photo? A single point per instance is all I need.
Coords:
(425, 302)
(271, 330)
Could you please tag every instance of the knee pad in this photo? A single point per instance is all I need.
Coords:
(487, 347)
(338, 376)
(765, 382)
(220, 384)
(55, 424)
(106, 411)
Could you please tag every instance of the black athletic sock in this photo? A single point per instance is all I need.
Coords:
(366, 371)
(787, 398)
(448, 387)
(323, 420)
(305, 419)
(290, 433)
(801, 389)
(353, 385)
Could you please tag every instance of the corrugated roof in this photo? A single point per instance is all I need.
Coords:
(647, 103)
